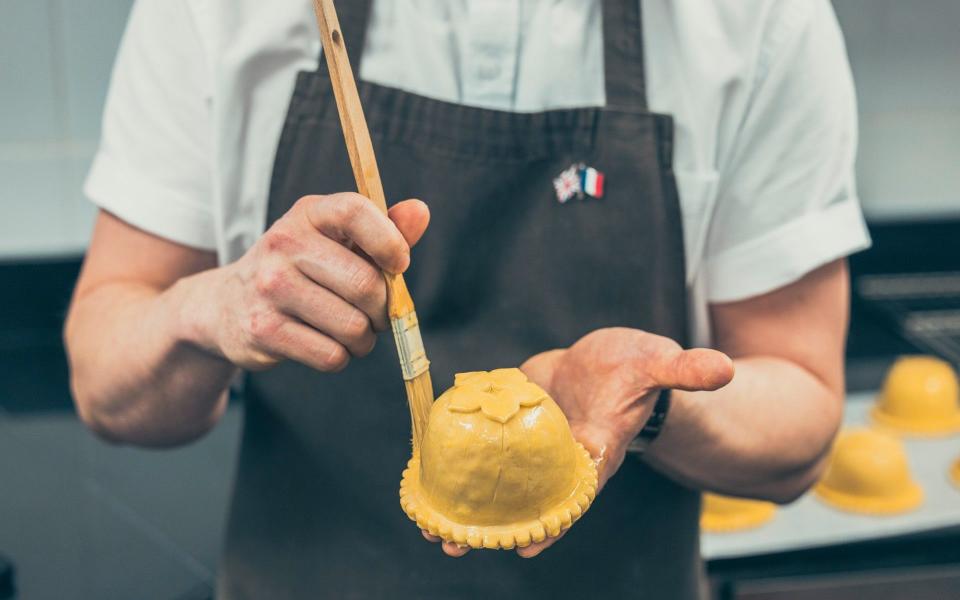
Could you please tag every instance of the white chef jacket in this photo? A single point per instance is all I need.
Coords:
(760, 91)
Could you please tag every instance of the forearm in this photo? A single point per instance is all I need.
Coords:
(765, 435)
(137, 375)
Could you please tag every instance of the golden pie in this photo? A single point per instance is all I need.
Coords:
(498, 466)
(920, 396)
(868, 473)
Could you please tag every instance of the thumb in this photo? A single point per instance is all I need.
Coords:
(699, 369)
(411, 217)
(540, 368)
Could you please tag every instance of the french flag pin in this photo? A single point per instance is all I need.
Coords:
(591, 182)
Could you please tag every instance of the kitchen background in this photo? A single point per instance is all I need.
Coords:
(80, 519)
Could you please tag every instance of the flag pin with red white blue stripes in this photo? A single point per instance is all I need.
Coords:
(578, 181)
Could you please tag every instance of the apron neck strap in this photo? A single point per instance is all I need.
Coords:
(622, 43)
(354, 15)
(623, 54)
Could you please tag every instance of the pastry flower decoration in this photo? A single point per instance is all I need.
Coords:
(498, 394)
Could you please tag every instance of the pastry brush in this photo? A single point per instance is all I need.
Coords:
(403, 317)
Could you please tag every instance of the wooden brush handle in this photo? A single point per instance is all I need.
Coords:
(355, 131)
(357, 135)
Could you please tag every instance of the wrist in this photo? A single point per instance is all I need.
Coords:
(685, 422)
(192, 302)
(654, 424)
(612, 436)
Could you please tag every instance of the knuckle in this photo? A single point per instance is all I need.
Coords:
(306, 202)
(311, 209)
(262, 325)
(367, 348)
(366, 280)
(348, 206)
(270, 281)
(279, 241)
(335, 360)
(356, 325)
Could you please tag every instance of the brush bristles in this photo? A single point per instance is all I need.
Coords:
(420, 398)
(413, 357)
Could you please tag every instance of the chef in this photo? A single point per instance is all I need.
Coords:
(610, 183)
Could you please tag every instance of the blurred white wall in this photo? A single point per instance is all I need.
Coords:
(906, 62)
(56, 56)
(55, 61)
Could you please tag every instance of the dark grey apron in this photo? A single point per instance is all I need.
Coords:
(504, 272)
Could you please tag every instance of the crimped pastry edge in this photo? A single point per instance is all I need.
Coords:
(551, 523)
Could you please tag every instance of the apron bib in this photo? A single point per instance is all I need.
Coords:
(504, 272)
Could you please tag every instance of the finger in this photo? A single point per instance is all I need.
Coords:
(452, 549)
(411, 217)
(540, 368)
(429, 537)
(449, 548)
(536, 548)
(349, 216)
(700, 369)
(329, 314)
(296, 341)
(349, 276)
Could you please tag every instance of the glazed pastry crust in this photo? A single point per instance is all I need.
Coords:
(868, 474)
(920, 397)
(498, 466)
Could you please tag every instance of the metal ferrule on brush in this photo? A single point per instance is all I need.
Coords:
(406, 333)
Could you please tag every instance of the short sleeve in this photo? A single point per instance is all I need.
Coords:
(153, 166)
(787, 200)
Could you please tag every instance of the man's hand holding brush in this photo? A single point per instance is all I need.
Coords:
(157, 331)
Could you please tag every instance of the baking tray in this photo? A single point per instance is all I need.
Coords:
(809, 523)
